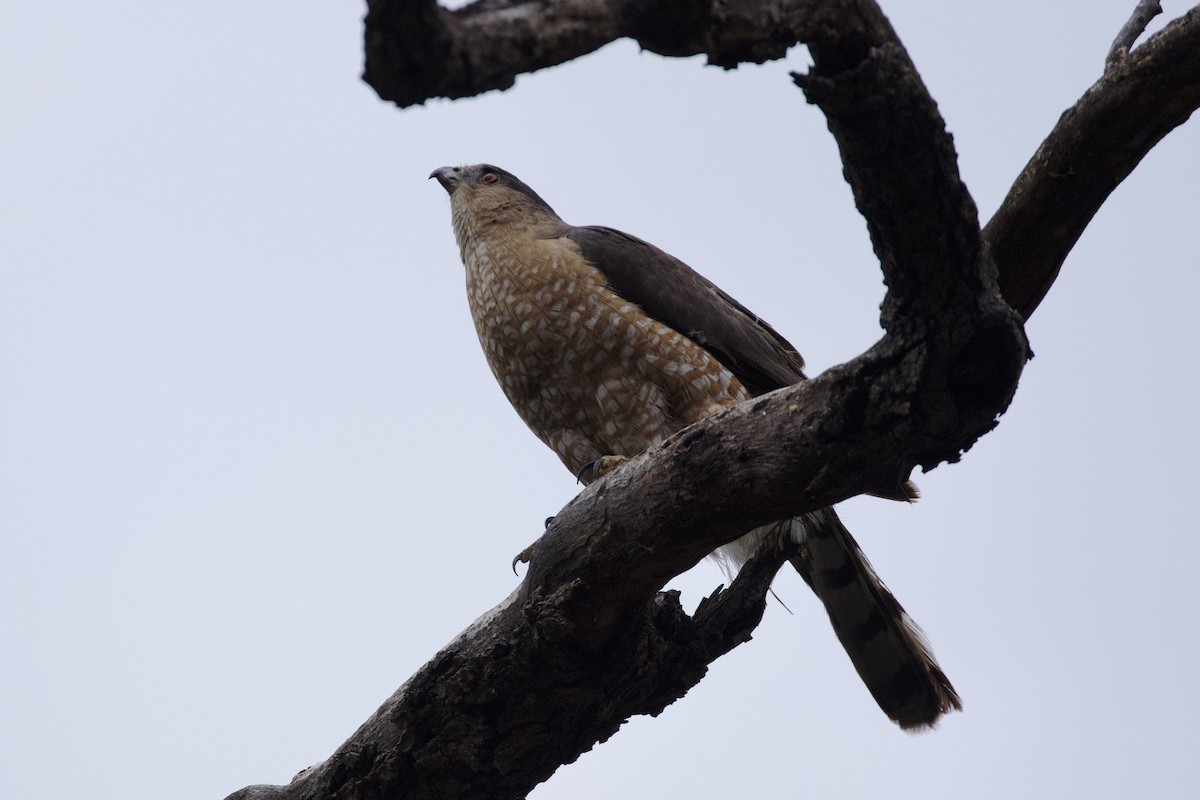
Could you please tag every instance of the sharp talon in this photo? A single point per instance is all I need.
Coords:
(600, 467)
(548, 521)
(523, 556)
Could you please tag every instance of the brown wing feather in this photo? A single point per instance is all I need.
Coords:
(676, 295)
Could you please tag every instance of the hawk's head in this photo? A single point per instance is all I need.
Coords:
(487, 193)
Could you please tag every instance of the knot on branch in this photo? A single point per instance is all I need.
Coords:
(950, 379)
(987, 365)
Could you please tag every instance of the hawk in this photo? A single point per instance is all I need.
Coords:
(605, 345)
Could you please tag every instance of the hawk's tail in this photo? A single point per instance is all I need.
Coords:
(886, 646)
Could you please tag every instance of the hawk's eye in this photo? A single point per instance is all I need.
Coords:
(489, 177)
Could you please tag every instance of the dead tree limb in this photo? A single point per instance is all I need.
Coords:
(1134, 27)
(417, 50)
(1094, 146)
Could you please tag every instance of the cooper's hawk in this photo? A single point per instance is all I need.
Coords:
(605, 345)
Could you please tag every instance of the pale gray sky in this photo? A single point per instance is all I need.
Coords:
(254, 471)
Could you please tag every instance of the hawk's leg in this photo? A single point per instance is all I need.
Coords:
(595, 470)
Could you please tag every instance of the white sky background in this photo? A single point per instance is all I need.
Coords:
(254, 471)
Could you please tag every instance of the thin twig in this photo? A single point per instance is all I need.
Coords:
(1136, 25)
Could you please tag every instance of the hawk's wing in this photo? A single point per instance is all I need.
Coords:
(677, 296)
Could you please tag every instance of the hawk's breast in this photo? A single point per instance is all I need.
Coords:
(589, 372)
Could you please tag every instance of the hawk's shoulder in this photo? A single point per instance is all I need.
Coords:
(673, 293)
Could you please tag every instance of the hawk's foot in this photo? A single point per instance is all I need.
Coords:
(597, 469)
(524, 556)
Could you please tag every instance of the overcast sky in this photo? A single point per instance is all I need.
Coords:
(254, 471)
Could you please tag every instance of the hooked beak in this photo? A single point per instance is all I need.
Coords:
(448, 177)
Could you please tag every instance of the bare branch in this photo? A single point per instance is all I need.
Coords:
(416, 50)
(500, 708)
(1094, 146)
(1134, 27)
(900, 162)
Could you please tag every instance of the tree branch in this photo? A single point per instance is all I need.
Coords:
(416, 50)
(1094, 146)
(501, 707)
(1134, 27)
